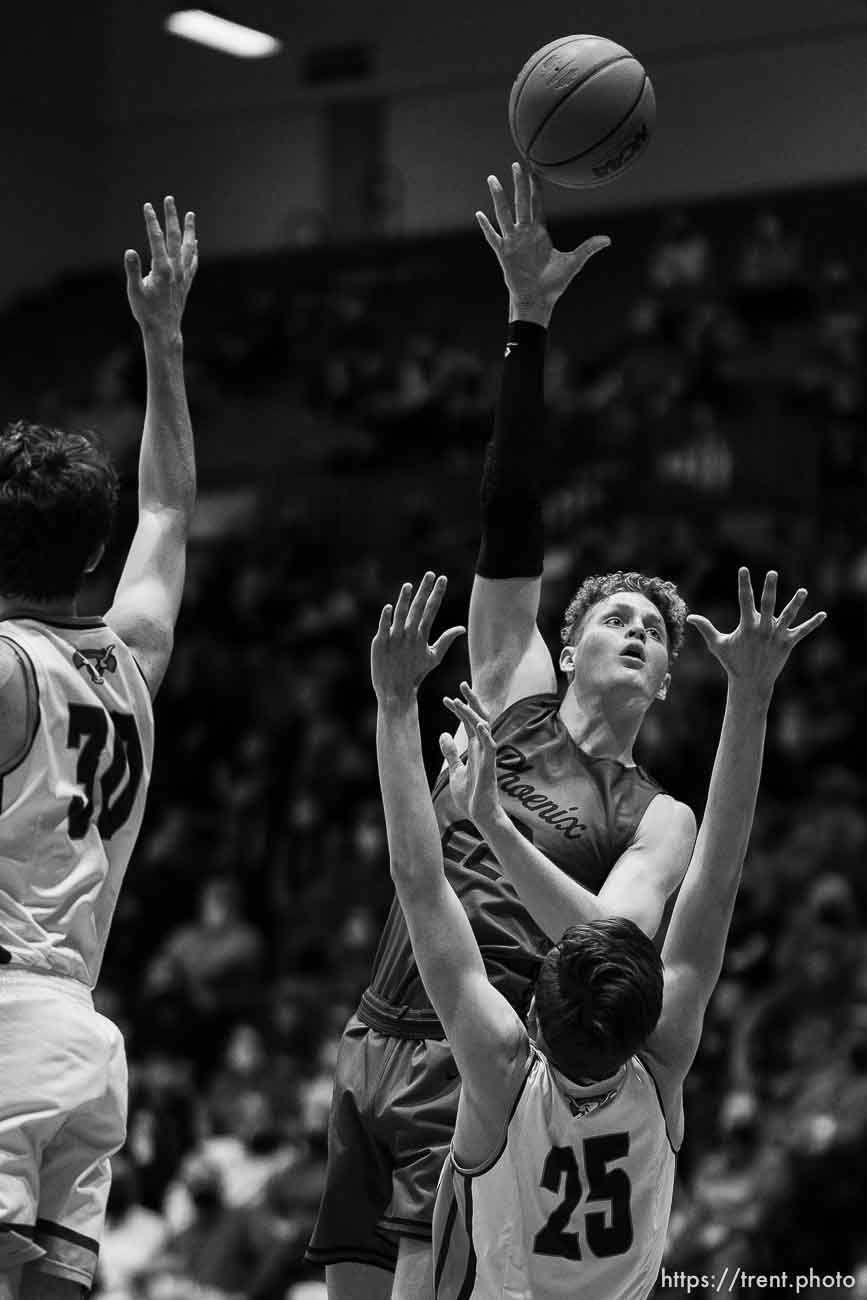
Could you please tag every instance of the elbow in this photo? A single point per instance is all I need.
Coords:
(398, 869)
(399, 865)
(414, 885)
(405, 875)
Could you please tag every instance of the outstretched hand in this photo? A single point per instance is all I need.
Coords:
(473, 783)
(536, 273)
(755, 653)
(400, 656)
(158, 299)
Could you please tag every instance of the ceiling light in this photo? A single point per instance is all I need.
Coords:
(221, 34)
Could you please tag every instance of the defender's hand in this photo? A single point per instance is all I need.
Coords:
(755, 653)
(158, 300)
(473, 784)
(400, 657)
(536, 273)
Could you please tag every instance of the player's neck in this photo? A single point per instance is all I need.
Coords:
(60, 608)
(603, 727)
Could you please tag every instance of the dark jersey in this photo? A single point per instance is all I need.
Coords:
(581, 812)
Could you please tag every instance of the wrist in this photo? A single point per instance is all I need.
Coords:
(161, 340)
(397, 706)
(534, 310)
(749, 698)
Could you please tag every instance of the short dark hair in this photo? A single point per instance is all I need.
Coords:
(663, 594)
(598, 996)
(58, 494)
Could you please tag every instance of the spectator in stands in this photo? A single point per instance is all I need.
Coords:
(249, 1070)
(132, 1239)
(213, 966)
(681, 259)
(215, 1249)
(164, 1121)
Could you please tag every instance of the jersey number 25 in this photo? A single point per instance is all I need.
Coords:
(604, 1238)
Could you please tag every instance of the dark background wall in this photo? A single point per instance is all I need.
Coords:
(99, 109)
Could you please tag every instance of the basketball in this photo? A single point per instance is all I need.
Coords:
(581, 111)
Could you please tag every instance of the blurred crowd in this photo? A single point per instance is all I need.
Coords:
(706, 408)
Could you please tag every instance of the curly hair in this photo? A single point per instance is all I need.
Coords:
(58, 495)
(598, 996)
(664, 596)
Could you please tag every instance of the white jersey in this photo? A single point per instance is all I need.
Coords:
(72, 804)
(576, 1202)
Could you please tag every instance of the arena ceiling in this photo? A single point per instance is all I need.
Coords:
(110, 59)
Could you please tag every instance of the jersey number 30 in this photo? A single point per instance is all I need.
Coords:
(607, 1233)
(88, 733)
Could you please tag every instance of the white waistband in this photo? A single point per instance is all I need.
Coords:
(57, 983)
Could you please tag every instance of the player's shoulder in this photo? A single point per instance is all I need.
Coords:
(671, 817)
(10, 659)
(19, 703)
(16, 669)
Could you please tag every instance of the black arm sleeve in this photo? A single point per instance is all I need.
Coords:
(512, 543)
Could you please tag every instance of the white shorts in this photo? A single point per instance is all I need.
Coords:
(63, 1100)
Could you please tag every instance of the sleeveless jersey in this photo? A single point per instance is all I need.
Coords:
(72, 805)
(574, 1206)
(581, 812)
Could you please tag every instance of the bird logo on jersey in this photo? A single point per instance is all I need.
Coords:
(104, 661)
(581, 1107)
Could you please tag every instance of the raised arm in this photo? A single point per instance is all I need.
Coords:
(508, 657)
(484, 1033)
(753, 657)
(148, 595)
(639, 882)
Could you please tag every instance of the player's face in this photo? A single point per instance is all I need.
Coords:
(621, 644)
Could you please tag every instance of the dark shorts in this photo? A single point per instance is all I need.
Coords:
(392, 1119)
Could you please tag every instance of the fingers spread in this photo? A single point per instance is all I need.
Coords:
(435, 592)
(189, 245)
(804, 629)
(467, 716)
(704, 627)
(441, 645)
(159, 257)
(746, 598)
(523, 207)
(501, 206)
(417, 608)
(489, 745)
(787, 614)
(401, 609)
(384, 621)
(489, 233)
(473, 700)
(585, 251)
(769, 599)
(133, 269)
(173, 228)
